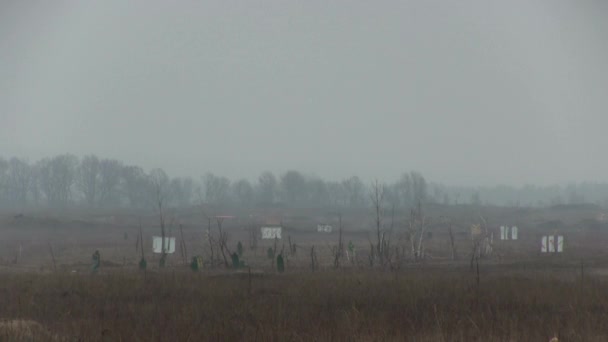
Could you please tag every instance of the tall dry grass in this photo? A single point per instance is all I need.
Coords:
(432, 305)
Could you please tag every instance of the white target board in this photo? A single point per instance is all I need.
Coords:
(508, 233)
(271, 232)
(324, 228)
(169, 245)
(552, 244)
(543, 244)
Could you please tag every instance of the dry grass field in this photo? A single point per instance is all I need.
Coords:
(518, 294)
(412, 305)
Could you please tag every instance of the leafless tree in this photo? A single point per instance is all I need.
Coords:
(452, 244)
(481, 239)
(160, 181)
(266, 189)
(417, 225)
(19, 180)
(211, 241)
(354, 191)
(135, 186)
(109, 181)
(254, 235)
(243, 192)
(339, 248)
(87, 181)
(217, 188)
(222, 240)
(56, 177)
(377, 198)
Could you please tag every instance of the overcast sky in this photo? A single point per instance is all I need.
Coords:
(466, 92)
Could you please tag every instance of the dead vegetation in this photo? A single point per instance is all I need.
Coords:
(415, 305)
(411, 278)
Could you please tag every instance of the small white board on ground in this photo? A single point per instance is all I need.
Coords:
(271, 232)
(514, 233)
(324, 228)
(169, 245)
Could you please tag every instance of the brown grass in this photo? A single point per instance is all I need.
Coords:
(415, 305)
(24, 330)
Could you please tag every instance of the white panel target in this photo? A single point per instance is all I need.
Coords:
(271, 232)
(552, 244)
(169, 245)
(324, 228)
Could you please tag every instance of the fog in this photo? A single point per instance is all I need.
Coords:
(465, 92)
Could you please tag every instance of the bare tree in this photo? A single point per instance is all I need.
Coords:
(87, 182)
(19, 180)
(109, 181)
(482, 241)
(452, 244)
(211, 241)
(160, 180)
(377, 198)
(354, 191)
(135, 186)
(217, 188)
(243, 192)
(182, 190)
(56, 178)
(222, 240)
(293, 188)
(339, 248)
(254, 235)
(416, 228)
(266, 188)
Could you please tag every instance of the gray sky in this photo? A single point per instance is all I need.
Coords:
(467, 92)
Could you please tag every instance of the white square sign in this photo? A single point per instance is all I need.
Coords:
(271, 232)
(169, 245)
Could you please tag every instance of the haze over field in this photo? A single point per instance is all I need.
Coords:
(466, 92)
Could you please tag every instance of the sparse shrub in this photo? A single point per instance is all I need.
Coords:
(235, 261)
(280, 263)
(96, 262)
(143, 264)
(194, 264)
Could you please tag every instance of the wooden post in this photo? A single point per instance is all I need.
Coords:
(183, 245)
(53, 257)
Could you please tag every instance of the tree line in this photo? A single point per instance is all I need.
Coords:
(68, 181)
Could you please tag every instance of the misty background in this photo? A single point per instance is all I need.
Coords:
(482, 98)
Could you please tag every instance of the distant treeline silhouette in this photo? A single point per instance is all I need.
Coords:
(66, 180)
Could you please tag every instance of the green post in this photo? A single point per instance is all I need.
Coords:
(143, 264)
(96, 261)
(280, 264)
(194, 264)
(235, 261)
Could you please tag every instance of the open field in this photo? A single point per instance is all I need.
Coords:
(412, 305)
(518, 294)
